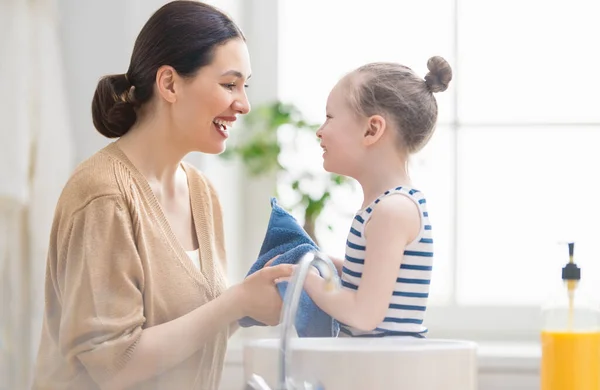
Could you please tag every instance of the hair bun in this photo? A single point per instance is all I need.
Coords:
(113, 111)
(440, 74)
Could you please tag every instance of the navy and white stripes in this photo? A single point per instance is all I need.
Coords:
(407, 304)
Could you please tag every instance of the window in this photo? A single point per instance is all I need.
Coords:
(509, 172)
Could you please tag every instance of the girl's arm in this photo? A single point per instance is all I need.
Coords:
(395, 222)
(339, 264)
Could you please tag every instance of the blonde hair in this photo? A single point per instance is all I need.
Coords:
(399, 95)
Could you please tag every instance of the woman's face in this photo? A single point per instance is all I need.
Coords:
(207, 104)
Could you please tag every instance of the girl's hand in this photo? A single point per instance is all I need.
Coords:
(312, 277)
(268, 263)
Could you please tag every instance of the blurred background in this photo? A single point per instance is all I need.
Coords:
(508, 174)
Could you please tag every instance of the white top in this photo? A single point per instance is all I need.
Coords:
(195, 257)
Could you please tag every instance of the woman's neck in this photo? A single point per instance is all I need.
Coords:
(154, 152)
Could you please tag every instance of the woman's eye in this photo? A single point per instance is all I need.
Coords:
(232, 86)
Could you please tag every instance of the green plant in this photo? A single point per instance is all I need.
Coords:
(259, 147)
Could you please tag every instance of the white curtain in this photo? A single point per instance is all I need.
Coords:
(36, 158)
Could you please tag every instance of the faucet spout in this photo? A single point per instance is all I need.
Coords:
(288, 316)
(290, 307)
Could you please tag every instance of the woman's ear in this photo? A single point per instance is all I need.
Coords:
(376, 126)
(165, 83)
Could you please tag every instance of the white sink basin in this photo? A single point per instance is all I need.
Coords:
(369, 364)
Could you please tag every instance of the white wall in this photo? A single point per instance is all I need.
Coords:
(92, 34)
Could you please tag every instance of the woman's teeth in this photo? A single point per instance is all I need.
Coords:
(223, 124)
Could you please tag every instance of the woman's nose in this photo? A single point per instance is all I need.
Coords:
(242, 105)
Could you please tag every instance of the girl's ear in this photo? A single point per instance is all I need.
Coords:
(376, 126)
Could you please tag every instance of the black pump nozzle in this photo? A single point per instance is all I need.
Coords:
(571, 271)
(571, 251)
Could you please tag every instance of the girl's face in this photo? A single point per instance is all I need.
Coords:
(342, 134)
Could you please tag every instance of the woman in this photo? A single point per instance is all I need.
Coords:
(135, 288)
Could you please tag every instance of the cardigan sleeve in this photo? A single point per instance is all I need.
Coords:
(100, 278)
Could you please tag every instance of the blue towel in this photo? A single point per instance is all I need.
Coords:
(285, 237)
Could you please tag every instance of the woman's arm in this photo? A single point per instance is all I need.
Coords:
(162, 347)
(99, 276)
(395, 223)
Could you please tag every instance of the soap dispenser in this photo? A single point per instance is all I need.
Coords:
(570, 336)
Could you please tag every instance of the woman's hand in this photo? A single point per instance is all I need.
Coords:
(258, 295)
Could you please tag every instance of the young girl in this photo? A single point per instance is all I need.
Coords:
(377, 116)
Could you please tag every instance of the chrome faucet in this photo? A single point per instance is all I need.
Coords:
(290, 307)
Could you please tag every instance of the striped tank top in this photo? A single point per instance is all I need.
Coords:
(408, 302)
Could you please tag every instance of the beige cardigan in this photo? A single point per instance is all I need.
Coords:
(115, 267)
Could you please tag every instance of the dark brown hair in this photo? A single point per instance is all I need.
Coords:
(182, 34)
(398, 94)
